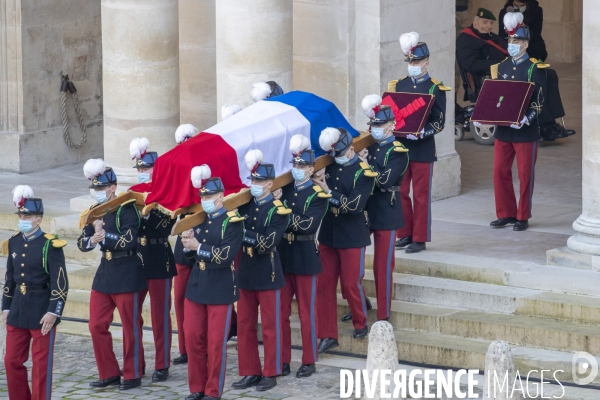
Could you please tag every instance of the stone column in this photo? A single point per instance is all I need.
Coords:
(254, 43)
(197, 63)
(587, 226)
(140, 44)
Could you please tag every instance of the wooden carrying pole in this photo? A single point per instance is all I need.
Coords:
(236, 200)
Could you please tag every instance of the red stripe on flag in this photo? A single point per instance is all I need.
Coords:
(171, 186)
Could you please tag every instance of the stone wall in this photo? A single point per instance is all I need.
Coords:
(562, 26)
(39, 41)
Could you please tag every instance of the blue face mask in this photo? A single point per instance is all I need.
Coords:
(257, 190)
(342, 160)
(100, 196)
(378, 133)
(514, 49)
(143, 177)
(298, 174)
(25, 226)
(209, 206)
(414, 70)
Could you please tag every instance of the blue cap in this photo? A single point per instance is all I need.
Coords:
(343, 143)
(384, 115)
(147, 160)
(522, 33)
(276, 90)
(263, 172)
(32, 207)
(307, 157)
(212, 186)
(420, 52)
(107, 178)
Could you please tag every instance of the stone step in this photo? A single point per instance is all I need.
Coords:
(453, 351)
(523, 330)
(452, 293)
(526, 330)
(499, 272)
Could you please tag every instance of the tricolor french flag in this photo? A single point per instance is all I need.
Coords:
(267, 125)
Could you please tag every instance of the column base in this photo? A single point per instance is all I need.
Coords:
(587, 238)
(41, 150)
(446, 177)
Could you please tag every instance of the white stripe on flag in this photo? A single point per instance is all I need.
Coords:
(265, 125)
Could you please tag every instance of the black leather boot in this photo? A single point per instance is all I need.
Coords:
(102, 383)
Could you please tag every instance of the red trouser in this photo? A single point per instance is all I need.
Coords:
(269, 302)
(383, 270)
(504, 191)
(179, 286)
(102, 306)
(305, 289)
(160, 316)
(207, 358)
(17, 353)
(347, 265)
(417, 221)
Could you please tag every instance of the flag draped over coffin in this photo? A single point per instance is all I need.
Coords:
(266, 125)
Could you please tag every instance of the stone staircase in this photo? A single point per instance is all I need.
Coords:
(447, 307)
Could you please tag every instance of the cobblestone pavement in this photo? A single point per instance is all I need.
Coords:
(74, 368)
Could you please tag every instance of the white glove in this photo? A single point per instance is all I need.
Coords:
(422, 130)
(477, 124)
(412, 137)
(520, 125)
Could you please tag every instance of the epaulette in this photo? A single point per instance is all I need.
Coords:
(5, 244)
(56, 242)
(281, 208)
(234, 216)
(494, 69)
(392, 85)
(320, 193)
(538, 63)
(399, 147)
(441, 85)
(369, 173)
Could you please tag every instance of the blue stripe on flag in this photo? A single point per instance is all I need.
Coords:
(319, 112)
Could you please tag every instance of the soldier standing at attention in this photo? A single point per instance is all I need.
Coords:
(158, 264)
(389, 158)
(212, 287)
(343, 236)
(260, 279)
(517, 140)
(300, 254)
(183, 265)
(33, 299)
(117, 283)
(417, 213)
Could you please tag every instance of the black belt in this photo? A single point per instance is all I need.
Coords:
(204, 265)
(32, 288)
(299, 238)
(391, 189)
(145, 241)
(250, 251)
(109, 255)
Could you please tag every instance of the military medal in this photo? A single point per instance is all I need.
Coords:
(500, 101)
